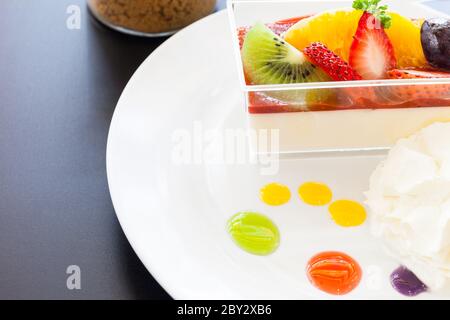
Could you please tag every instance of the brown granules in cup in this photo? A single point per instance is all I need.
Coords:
(151, 16)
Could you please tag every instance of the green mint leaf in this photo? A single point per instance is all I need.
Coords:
(373, 7)
(359, 4)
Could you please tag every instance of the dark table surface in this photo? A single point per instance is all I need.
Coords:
(58, 90)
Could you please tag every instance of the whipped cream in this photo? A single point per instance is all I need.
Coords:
(409, 198)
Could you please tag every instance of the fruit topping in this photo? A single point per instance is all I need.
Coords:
(404, 34)
(268, 59)
(416, 74)
(335, 29)
(398, 28)
(371, 53)
(367, 42)
(436, 42)
(331, 63)
(416, 92)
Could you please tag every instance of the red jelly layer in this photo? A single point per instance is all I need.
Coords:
(262, 103)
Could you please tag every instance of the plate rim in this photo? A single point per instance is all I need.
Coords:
(121, 217)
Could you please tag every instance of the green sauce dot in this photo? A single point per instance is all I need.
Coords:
(254, 233)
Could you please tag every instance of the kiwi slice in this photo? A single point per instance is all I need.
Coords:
(269, 59)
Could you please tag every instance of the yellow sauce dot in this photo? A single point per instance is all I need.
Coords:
(347, 213)
(315, 194)
(275, 194)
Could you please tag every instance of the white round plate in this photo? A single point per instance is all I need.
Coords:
(174, 215)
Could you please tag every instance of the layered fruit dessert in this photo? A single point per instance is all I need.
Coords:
(361, 76)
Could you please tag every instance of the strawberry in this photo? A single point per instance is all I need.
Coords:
(371, 53)
(242, 32)
(331, 63)
(416, 74)
(415, 93)
(418, 92)
(338, 70)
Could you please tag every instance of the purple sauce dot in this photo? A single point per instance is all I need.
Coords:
(406, 282)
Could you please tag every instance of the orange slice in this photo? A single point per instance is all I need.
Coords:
(335, 29)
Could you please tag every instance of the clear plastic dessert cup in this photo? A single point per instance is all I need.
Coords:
(336, 116)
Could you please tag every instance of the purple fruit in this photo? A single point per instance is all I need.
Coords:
(435, 36)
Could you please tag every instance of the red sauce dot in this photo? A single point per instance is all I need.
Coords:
(334, 272)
